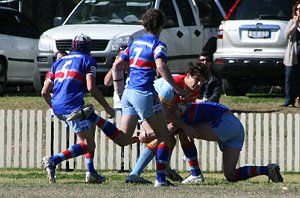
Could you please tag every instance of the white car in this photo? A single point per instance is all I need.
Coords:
(112, 24)
(251, 45)
(18, 48)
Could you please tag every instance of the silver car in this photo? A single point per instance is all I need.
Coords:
(251, 45)
(18, 48)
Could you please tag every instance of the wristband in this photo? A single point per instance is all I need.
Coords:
(118, 80)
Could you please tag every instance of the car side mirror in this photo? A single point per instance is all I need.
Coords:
(57, 21)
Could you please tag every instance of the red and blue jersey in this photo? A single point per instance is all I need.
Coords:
(69, 77)
(167, 94)
(141, 55)
(204, 112)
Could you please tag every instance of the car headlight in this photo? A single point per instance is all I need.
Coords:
(45, 43)
(122, 41)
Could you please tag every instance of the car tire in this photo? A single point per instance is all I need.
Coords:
(3, 79)
(232, 88)
(37, 81)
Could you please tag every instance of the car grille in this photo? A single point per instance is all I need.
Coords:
(97, 45)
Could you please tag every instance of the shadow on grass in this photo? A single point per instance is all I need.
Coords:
(257, 95)
(254, 111)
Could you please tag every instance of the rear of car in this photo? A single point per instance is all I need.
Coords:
(251, 44)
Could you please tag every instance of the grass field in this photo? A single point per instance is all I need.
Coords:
(255, 102)
(33, 183)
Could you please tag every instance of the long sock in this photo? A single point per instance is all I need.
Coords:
(247, 172)
(89, 159)
(107, 127)
(73, 151)
(190, 152)
(162, 155)
(147, 155)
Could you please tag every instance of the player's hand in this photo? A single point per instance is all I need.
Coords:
(142, 137)
(111, 112)
(172, 128)
(184, 95)
(146, 136)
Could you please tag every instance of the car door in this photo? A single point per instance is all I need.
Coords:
(19, 46)
(183, 45)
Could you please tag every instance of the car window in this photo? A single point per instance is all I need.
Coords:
(186, 13)
(110, 11)
(171, 18)
(14, 24)
(209, 13)
(26, 28)
(8, 23)
(262, 9)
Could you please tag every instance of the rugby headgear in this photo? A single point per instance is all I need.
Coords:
(82, 43)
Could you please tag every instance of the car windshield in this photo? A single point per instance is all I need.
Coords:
(263, 9)
(110, 11)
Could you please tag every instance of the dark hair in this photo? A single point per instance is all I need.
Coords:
(294, 8)
(61, 52)
(210, 56)
(153, 19)
(196, 69)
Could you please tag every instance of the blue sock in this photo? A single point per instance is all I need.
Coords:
(73, 151)
(144, 159)
(247, 172)
(89, 159)
(190, 152)
(107, 127)
(162, 155)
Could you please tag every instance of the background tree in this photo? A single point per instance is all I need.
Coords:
(42, 12)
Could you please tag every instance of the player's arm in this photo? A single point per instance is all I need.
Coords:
(97, 94)
(108, 79)
(46, 90)
(164, 71)
(118, 75)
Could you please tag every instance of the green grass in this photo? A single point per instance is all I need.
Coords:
(33, 183)
(251, 103)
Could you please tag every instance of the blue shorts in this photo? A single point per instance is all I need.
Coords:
(230, 131)
(77, 126)
(141, 103)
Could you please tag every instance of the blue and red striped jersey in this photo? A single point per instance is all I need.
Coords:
(141, 55)
(69, 77)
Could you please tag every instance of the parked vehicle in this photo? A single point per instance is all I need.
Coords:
(251, 44)
(114, 23)
(18, 48)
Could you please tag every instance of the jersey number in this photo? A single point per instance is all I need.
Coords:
(65, 70)
(138, 51)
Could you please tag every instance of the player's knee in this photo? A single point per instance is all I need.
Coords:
(122, 140)
(230, 176)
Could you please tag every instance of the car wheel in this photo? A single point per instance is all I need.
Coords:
(2, 77)
(232, 88)
(37, 81)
